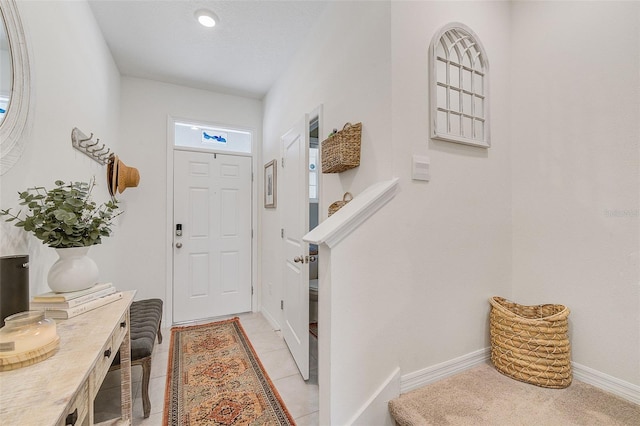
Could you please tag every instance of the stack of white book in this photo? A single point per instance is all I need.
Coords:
(74, 303)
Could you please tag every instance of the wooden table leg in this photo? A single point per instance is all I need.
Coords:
(125, 376)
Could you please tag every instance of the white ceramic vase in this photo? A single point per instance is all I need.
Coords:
(73, 271)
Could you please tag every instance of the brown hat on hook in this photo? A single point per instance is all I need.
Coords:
(128, 177)
(120, 176)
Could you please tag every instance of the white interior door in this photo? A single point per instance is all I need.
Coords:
(212, 257)
(295, 222)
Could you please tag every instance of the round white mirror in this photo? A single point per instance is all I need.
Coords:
(14, 85)
(6, 71)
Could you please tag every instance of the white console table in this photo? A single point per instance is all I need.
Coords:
(60, 390)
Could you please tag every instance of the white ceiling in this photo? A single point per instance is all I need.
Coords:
(244, 54)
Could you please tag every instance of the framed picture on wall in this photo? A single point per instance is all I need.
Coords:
(270, 184)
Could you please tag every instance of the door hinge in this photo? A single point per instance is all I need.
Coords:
(282, 304)
(283, 162)
(251, 176)
(281, 232)
(252, 290)
(252, 233)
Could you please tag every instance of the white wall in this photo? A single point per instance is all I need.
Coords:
(410, 288)
(547, 214)
(145, 109)
(576, 174)
(75, 83)
(343, 66)
(453, 234)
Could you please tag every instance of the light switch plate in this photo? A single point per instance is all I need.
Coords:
(420, 169)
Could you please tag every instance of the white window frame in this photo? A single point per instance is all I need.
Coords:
(213, 147)
(464, 104)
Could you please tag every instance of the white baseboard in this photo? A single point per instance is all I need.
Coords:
(603, 381)
(618, 387)
(270, 319)
(375, 411)
(428, 375)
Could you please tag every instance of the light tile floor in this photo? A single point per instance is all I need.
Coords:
(300, 397)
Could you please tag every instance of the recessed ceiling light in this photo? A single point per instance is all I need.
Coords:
(206, 18)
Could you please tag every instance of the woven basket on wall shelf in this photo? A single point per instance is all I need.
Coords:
(334, 207)
(531, 343)
(341, 151)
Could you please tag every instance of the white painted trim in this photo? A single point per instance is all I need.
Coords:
(618, 387)
(213, 151)
(20, 106)
(171, 120)
(333, 229)
(437, 372)
(220, 126)
(270, 319)
(432, 374)
(317, 112)
(168, 311)
(377, 402)
(256, 154)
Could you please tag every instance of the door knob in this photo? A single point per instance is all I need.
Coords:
(298, 259)
(178, 245)
(311, 259)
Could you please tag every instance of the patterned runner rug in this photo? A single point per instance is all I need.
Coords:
(216, 378)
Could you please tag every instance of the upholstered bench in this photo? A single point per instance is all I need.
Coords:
(145, 322)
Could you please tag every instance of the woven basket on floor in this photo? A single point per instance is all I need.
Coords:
(341, 151)
(531, 343)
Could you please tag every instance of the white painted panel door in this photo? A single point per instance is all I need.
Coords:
(295, 217)
(212, 258)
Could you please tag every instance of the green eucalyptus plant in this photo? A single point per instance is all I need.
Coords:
(65, 216)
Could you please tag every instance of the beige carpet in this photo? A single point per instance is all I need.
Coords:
(483, 396)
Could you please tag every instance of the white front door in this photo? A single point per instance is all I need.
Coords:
(212, 257)
(295, 222)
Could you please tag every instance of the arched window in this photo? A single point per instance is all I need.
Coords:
(459, 87)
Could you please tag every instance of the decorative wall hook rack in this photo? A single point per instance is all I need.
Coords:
(93, 149)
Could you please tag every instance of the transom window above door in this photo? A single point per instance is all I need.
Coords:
(192, 135)
(459, 80)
